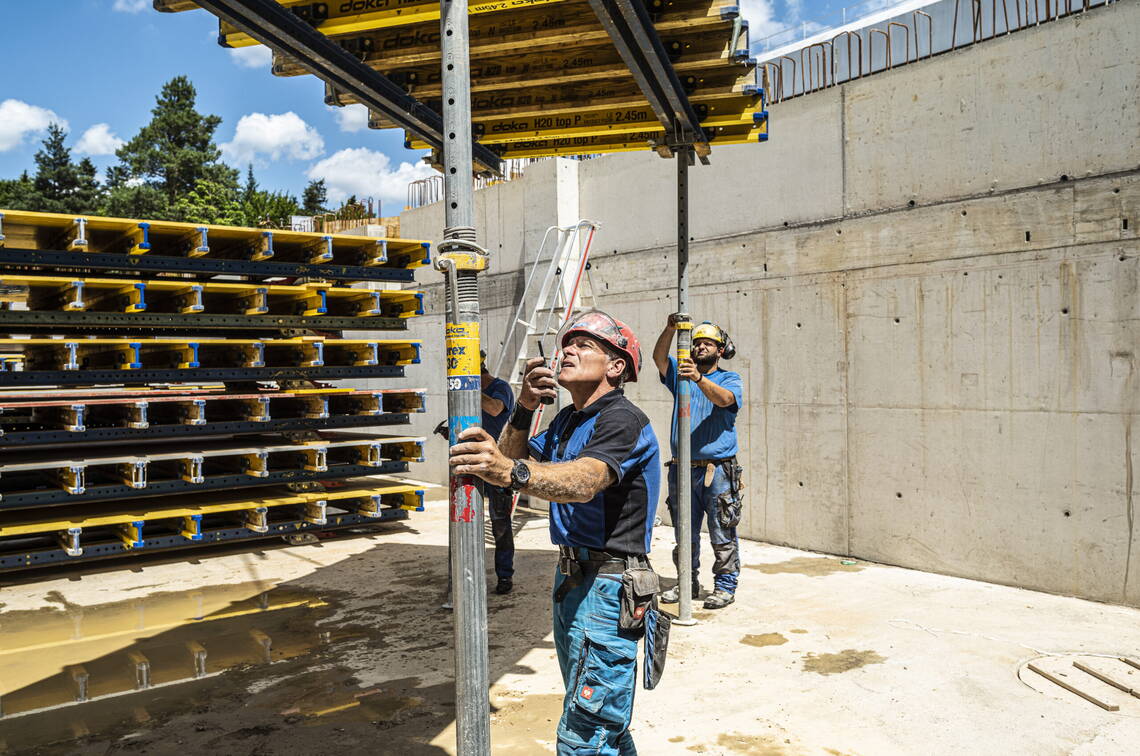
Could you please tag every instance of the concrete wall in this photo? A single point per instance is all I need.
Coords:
(933, 278)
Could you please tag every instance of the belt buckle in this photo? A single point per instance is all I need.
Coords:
(565, 560)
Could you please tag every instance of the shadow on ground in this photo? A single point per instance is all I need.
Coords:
(353, 657)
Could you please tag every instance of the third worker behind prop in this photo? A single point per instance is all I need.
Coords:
(715, 399)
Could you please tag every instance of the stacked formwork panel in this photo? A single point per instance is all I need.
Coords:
(166, 385)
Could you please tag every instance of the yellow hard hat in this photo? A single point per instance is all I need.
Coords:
(708, 330)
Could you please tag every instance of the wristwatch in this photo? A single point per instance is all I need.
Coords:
(520, 475)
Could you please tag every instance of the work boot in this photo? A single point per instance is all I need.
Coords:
(673, 595)
(504, 586)
(719, 599)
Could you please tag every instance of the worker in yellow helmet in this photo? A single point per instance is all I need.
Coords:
(716, 485)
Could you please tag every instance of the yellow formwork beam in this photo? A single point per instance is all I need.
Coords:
(32, 230)
(84, 294)
(545, 27)
(734, 111)
(633, 142)
(177, 507)
(189, 353)
(353, 16)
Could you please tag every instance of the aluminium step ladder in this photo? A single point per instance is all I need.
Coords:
(565, 290)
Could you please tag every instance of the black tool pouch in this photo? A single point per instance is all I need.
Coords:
(657, 626)
(730, 503)
(638, 587)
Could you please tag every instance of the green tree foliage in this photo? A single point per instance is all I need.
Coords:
(18, 194)
(59, 185)
(172, 169)
(314, 198)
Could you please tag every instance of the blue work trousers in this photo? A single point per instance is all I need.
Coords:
(499, 502)
(725, 544)
(599, 668)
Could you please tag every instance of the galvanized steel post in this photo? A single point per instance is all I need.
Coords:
(461, 259)
(684, 525)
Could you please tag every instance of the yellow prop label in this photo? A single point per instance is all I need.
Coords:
(463, 358)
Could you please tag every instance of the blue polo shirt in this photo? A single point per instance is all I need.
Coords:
(713, 428)
(611, 429)
(501, 390)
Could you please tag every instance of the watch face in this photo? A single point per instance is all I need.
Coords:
(520, 475)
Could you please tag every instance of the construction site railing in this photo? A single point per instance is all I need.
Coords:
(427, 191)
(906, 38)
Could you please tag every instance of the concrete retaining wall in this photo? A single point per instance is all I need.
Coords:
(949, 385)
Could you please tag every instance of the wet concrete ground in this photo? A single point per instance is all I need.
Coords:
(341, 647)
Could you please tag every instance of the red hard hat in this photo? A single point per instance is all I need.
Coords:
(611, 331)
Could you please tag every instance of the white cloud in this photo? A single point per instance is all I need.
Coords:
(762, 20)
(366, 173)
(255, 56)
(351, 118)
(98, 140)
(283, 135)
(19, 119)
(131, 6)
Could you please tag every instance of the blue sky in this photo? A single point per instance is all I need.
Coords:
(96, 66)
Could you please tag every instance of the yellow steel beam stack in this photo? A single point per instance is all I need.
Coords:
(200, 357)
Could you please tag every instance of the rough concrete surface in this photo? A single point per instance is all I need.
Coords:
(818, 656)
(935, 299)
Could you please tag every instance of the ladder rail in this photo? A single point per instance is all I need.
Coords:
(522, 300)
(548, 300)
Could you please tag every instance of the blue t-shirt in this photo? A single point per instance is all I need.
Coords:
(620, 518)
(501, 390)
(713, 428)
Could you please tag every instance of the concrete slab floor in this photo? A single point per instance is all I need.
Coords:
(341, 647)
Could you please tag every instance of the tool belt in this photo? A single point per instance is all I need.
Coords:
(706, 462)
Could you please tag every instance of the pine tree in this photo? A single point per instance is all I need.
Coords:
(314, 198)
(59, 186)
(172, 156)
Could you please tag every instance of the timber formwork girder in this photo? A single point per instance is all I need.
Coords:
(632, 32)
(25, 259)
(112, 491)
(193, 375)
(194, 462)
(283, 30)
(148, 322)
(43, 549)
(61, 417)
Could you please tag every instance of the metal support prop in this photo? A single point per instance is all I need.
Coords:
(684, 524)
(461, 259)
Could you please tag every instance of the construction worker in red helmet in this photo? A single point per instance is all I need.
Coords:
(598, 464)
(716, 477)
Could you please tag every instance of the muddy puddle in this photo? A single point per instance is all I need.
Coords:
(809, 566)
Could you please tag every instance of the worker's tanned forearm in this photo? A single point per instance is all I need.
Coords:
(568, 482)
(513, 442)
(661, 348)
(717, 394)
(492, 406)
